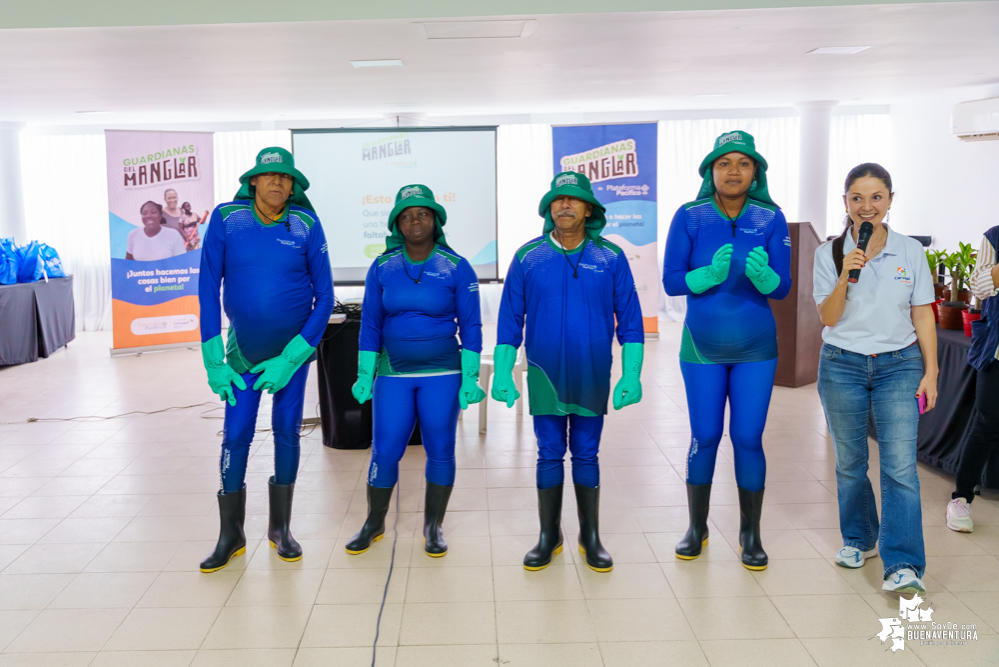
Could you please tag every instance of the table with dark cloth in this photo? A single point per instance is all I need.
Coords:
(944, 429)
(36, 319)
(346, 424)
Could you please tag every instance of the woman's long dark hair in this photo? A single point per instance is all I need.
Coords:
(865, 170)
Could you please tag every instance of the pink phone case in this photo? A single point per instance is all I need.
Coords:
(922, 403)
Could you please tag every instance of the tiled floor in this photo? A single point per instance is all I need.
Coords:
(102, 526)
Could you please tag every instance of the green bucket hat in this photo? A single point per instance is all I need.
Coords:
(575, 185)
(281, 161)
(736, 142)
(415, 195)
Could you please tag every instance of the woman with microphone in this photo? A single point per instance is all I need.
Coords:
(879, 354)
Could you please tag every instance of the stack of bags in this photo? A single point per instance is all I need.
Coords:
(26, 264)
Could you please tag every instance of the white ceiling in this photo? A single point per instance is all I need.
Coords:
(567, 63)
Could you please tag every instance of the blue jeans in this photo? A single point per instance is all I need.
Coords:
(851, 386)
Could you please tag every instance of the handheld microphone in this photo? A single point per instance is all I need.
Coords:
(863, 238)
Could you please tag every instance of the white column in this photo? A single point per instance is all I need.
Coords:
(813, 172)
(11, 192)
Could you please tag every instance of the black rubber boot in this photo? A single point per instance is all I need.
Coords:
(698, 499)
(279, 532)
(588, 510)
(750, 508)
(434, 508)
(550, 542)
(232, 540)
(374, 527)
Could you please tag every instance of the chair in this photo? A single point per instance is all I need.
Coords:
(486, 373)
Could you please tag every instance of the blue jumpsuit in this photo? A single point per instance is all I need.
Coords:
(729, 345)
(276, 284)
(570, 331)
(414, 326)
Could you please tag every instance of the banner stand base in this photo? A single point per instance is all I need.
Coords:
(124, 351)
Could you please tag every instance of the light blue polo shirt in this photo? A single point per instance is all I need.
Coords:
(876, 318)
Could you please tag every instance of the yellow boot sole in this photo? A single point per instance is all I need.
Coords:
(356, 553)
(595, 569)
(440, 555)
(238, 552)
(754, 568)
(287, 560)
(557, 551)
(703, 544)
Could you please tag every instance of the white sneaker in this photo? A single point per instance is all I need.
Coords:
(853, 558)
(959, 516)
(903, 581)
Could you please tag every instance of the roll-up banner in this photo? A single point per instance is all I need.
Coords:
(161, 191)
(620, 161)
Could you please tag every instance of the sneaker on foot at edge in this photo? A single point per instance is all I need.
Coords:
(853, 558)
(959, 516)
(903, 581)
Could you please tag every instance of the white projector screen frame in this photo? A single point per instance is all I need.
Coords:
(328, 199)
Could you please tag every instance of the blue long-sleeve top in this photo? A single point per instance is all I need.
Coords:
(275, 278)
(414, 324)
(570, 321)
(731, 322)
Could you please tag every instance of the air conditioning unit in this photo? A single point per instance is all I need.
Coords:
(976, 121)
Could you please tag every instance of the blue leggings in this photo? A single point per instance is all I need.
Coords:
(748, 387)
(398, 401)
(241, 422)
(583, 441)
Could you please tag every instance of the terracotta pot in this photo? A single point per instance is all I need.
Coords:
(950, 315)
(964, 295)
(945, 294)
(938, 290)
(968, 316)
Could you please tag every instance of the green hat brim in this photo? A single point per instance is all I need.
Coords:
(594, 224)
(276, 168)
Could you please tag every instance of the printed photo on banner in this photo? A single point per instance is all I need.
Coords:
(620, 161)
(160, 194)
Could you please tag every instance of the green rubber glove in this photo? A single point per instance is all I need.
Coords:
(628, 390)
(702, 279)
(470, 391)
(366, 363)
(276, 372)
(759, 272)
(504, 390)
(221, 376)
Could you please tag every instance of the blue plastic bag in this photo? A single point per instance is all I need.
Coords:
(52, 262)
(31, 266)
(8, 262)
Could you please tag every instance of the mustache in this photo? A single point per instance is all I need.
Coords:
(566, 214)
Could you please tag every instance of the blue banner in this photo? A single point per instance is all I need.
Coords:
(621, 163)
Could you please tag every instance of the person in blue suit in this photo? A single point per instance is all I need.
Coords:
(267, 251)
(729, 252)
(419, 296)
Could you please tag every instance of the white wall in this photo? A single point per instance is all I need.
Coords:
(943, 186)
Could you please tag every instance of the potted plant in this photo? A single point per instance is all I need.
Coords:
(944, 263)
(933, 258)
(972, 314)
(962, 264)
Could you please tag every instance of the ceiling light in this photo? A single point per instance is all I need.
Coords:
(376, 63)
(837, 50)
(92, 113)
(476, 29)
